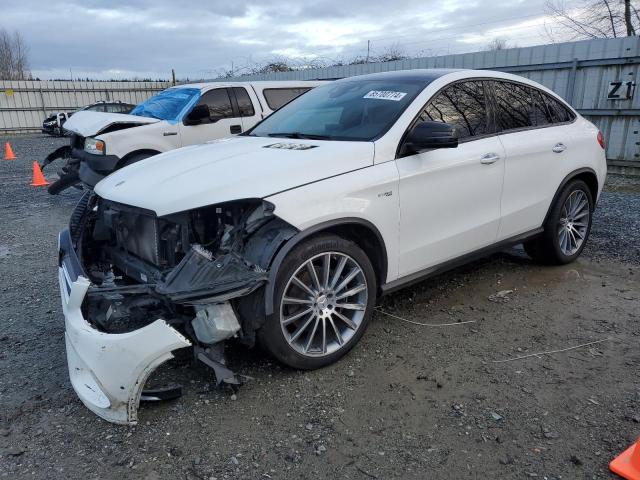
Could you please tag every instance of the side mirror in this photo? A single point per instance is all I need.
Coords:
(197, 115)
(429, 135)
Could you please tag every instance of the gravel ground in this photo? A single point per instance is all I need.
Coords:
(409, 401)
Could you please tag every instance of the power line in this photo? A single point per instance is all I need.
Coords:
(376, 51)
(461, 27)
(358, 51)
(457, 36)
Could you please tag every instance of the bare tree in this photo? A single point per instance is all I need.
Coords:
(498, 43)
(592, 19)
(14, 53)
(390, 54)
(627, 18)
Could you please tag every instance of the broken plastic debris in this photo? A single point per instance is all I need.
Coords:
(215, 323)
(501, 296)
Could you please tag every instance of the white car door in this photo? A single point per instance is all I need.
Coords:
(450, 197)
(248, 107)
(536, 142)
(223, 120)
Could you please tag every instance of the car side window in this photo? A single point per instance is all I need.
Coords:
(115, 108)
(513, 106)
(96, 108)
(462, 105)
(245, 106)
(539, 112)
(557, 111)
(218, 102)
(277, 97)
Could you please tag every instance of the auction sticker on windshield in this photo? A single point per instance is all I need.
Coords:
(385, 95)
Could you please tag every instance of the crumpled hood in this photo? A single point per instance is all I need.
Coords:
(230, 169)
(88, 124)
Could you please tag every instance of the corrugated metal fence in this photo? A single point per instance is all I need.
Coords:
(597, 77)
(24, 104)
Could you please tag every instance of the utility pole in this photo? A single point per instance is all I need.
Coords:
(368, 50)
(173, 77)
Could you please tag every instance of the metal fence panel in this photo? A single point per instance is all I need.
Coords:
(25, 103)
(580, 72)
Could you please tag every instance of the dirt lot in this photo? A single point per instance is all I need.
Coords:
(409, 402)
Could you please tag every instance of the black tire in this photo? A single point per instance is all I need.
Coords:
(271, 335)
(546, 248)
(64, 182)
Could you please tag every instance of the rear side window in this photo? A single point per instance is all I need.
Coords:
(218, 102)
(245, 106)
(277, 97)
(462, 105)
(514, 107)
(557, 111)
(520, 106)
(539, 113)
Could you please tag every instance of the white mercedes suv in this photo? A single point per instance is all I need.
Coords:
(287, 234)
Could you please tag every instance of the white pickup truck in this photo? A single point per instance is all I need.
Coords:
(176, 117)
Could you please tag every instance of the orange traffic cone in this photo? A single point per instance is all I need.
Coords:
(8, 152)
(38, 177)
(627, 464)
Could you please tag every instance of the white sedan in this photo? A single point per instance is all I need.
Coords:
(287, 234)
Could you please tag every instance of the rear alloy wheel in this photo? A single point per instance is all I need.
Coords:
(325, 294)
(574, 222)
(567, 227)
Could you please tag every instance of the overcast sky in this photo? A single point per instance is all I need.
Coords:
(200, 38)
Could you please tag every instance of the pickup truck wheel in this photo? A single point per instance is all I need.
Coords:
(567, 227)
(324, 297)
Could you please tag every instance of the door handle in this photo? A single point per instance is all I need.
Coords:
(169, 134)
(489, 158)
(559, 148)
(235, 129)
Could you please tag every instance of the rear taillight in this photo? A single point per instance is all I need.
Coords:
(601, 139)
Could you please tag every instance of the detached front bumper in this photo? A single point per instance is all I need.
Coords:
(94, 168)
(108, 371)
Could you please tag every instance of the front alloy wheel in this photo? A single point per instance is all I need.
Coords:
(324, 296)
(323, 304)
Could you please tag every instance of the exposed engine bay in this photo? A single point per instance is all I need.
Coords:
(200, 271)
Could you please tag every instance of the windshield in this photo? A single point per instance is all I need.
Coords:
(170, 104)
(357, 110)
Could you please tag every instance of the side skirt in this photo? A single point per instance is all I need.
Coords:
(414, 278)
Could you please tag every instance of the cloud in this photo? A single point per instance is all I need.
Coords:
(147, 38)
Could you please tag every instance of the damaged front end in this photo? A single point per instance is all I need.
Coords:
(136, 286)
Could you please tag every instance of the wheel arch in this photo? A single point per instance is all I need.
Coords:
(587, 175)
(360, 231)
(122, 162)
